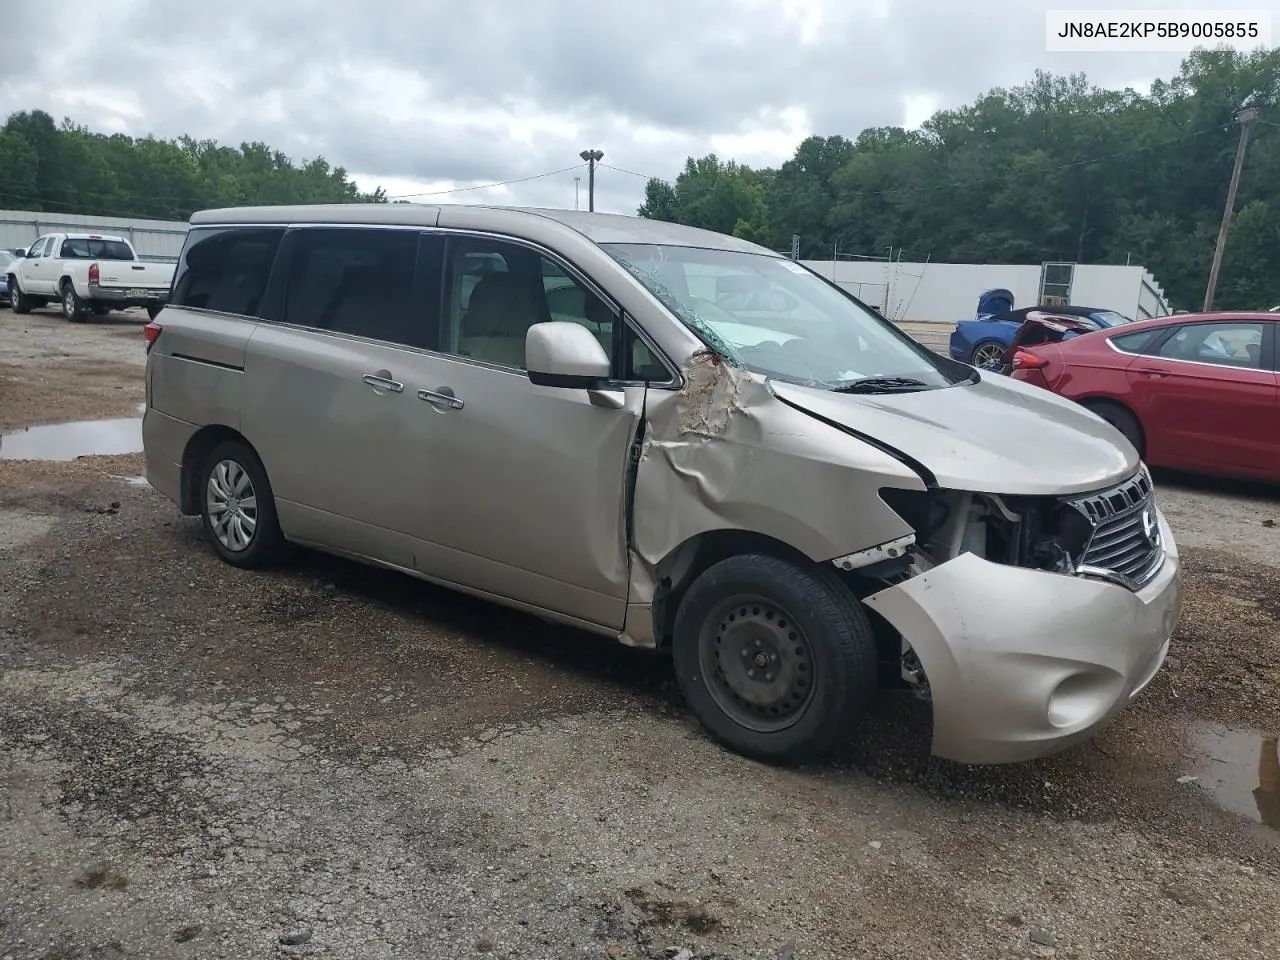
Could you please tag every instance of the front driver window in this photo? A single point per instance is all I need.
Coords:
(498, 290)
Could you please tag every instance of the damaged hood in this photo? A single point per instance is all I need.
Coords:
(995, 436)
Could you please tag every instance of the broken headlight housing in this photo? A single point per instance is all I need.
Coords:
(1039, 533)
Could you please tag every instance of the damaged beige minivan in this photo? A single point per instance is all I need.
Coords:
(671, 437)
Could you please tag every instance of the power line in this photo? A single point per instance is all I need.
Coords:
(117, 197)
(486, 186)
(952, 184)
(632, 173)
(122, 201)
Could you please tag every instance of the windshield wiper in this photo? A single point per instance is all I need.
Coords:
(882, 385)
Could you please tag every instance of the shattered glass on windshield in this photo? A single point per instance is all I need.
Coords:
(668, 298)
(774, 317)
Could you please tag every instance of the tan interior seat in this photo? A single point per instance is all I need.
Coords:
(368, 303)
(502, 309)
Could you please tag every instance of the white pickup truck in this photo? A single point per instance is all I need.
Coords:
(87, 273)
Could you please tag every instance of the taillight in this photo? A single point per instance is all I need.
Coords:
(94, 273)
(151, 333)
(1027, 361)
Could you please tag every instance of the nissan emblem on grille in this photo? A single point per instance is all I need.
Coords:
(1125, 543)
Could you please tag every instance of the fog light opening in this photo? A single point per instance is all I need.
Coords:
(1082, 699)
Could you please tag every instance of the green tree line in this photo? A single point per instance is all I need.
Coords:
(1056, 169)
(69, 169)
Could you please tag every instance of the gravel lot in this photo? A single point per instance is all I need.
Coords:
(201, 762)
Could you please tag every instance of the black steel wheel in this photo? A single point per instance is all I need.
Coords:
(757, 661)
(777, 659)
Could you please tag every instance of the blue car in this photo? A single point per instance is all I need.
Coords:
(983, 340)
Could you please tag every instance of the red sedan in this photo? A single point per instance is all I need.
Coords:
(1195, 392)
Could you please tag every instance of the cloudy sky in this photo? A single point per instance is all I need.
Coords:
(423, 96)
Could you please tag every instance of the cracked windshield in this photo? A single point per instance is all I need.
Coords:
(777, 318)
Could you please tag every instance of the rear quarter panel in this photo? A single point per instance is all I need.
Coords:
(197, 366)
(77, 271)
(1086, 367)
(969, 333)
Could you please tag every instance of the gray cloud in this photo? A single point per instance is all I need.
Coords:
(431, 91)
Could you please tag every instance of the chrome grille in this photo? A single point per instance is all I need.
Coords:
(1125, 543)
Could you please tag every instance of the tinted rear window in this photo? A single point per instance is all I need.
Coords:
(226, 268)
(358, 281)
(86, 248)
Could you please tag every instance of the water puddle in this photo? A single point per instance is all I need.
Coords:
(1240, 770)
(67, 441)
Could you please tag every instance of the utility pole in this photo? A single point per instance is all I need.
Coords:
(592, 157)
(577, 182)
(1247, 114)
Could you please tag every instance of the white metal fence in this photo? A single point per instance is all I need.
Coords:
(152, 239)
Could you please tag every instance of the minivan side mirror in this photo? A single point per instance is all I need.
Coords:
(560, 353)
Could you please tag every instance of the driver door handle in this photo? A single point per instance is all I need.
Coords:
(1153, 373)
(383, 383)
(442, 399)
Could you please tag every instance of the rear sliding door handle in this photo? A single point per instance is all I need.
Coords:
(444, 398)
(383, 383)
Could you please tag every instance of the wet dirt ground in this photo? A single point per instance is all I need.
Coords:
(201, 762)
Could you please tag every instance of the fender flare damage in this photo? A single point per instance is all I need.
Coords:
(708, 467)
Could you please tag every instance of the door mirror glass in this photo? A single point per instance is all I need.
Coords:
(561, 353)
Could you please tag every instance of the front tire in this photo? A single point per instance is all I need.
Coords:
(776, 660)
(19, 301)
(237, 508)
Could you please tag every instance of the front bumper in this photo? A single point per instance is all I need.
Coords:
(1022, 663)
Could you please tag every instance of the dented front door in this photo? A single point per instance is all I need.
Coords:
(527, 492)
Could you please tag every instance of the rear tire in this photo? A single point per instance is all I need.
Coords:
(73, 308)
(1122, 420)
(237, 508)
(778, 661)
(986, 352)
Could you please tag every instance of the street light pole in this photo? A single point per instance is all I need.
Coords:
(1244, 117)
(577, 182)
(592, 157)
